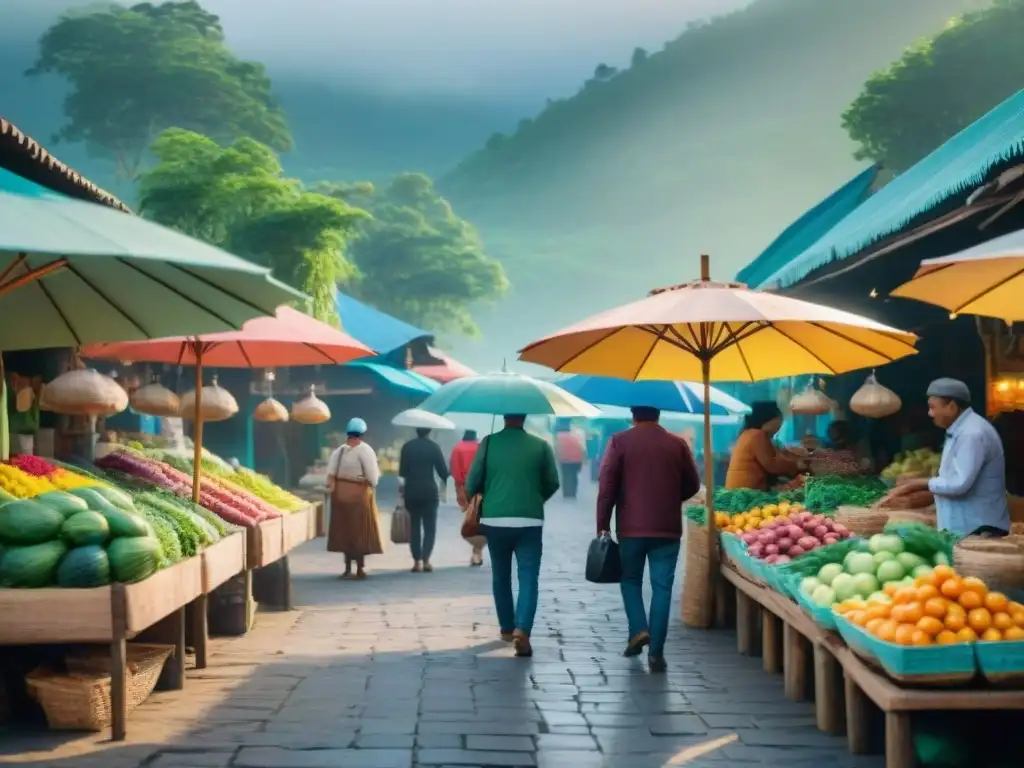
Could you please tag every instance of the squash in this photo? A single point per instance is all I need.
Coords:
(26, 522)
(65, 503)
(33, 566)
(84, 567)
(85, 528)
(134, 559)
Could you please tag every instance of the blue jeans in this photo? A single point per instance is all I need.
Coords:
(527, 544)
(662, 554)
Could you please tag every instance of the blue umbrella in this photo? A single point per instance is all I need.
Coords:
(506, 393)
(674, 396)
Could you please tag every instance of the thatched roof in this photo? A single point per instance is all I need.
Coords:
(23, 155)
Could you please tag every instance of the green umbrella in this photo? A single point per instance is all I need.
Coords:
(74, 273)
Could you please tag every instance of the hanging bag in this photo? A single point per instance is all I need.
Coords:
(401, 525)
(471, 517)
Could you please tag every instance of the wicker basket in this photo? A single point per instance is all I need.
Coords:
(863, 521)
(997, 562)
(698, 605)
(80, 699)
(925, 515)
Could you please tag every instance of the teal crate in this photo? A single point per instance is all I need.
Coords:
(936, 664)
(732, 545)
(823, 617)
(773, 578)
(1001, 662)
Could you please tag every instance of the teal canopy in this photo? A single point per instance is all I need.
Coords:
(408, 382)
(377, 330)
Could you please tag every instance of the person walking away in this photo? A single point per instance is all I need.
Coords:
(420, 469)
(352, 477)
(970, 491)
(569, 448)
(646, 476)
(461, 460)
(516, 474)
(755, 462)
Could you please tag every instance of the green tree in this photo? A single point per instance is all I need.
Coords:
(939, 86)
(236, 197)
(136, 71)
(417, 259)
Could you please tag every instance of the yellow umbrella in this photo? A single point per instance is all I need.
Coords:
(709, 331)
(987, 279)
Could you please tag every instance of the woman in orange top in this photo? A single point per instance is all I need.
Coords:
(462, 459)
(755, 462)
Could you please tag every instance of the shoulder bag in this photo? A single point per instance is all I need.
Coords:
(471, 517)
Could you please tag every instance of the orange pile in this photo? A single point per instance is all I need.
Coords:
(941, 608)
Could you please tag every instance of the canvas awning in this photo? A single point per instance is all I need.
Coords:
(449, 368)
(406, 381)
(377, 330)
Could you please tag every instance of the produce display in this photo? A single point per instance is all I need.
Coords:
(788, 537)
(827, 493)
(924, 462)
(732, 501)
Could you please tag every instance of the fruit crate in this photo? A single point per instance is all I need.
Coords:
(1002, 662)
(823, 617)
(936, 665)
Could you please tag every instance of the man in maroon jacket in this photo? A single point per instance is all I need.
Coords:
(646, 475)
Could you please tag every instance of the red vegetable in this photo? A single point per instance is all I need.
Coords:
(33, 465)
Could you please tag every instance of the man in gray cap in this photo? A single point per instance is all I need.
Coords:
(970, 491)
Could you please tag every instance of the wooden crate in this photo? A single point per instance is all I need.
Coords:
(265, 543)
(223, 560)
(296, 528)
(147, 602)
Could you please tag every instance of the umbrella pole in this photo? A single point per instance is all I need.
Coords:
(197, 425)
(709, 490)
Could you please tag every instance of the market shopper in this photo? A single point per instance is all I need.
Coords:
(970, 490)
(516, 474)
(571, 452)
(421, 469)
(755, 462)
(352, 477)
(646, 476)
(461, 460)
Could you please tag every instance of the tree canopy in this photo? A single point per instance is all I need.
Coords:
(236, 197)
(417, 259)
(134, 72)
(939, 86)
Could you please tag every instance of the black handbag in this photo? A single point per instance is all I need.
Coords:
(604, 565)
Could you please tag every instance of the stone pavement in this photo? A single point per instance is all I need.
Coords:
(405, 670)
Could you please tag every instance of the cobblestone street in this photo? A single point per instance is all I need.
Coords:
(406, 670)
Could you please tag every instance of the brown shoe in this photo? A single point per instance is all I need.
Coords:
(428, 568)
(507, 637)
(521, 641)
(637, 643)
(417, 567)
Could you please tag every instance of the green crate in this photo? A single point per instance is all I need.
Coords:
(1000, 662)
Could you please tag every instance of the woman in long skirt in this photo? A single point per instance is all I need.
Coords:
(352, 476)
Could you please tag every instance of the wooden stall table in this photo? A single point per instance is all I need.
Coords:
(113, 615)
(264, 543)
(297, 528)
(220, 562)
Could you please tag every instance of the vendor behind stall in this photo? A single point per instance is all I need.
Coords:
(970, 491)
(755, 462)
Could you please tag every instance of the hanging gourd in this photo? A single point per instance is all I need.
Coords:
(217, 403)
(811, 401)
(85, 392)
(270, 410)
(311, 409)
(155, 399)
(873, 401)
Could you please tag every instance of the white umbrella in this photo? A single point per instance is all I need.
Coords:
(420, 419)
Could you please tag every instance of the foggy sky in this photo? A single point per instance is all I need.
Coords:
(500, 48)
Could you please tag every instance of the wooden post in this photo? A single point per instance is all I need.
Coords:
(198, 619)
(794, 651)
(858, 718)
(899, 741)
(828, 691)
(197, 424)
(723, 604)
(118, 663)
(771, 642)
(171, 630)
(746, 623)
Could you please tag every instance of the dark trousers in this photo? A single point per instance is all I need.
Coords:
(423, 517)
(570, 479)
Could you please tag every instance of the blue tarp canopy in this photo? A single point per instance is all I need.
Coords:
(377, 330)
(409, 382)
(961, 164)
(809, 228)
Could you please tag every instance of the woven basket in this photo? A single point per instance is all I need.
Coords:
(925, 515)
(997, 562)
(80, 699)
(698, 605)
(863, 521)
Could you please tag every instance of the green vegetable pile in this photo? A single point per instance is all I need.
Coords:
(829, 492)
(737, 500)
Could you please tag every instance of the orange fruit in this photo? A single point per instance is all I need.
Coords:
(996, 602)
(887, 630)
(967, 635)
(942, 573)
(914, 612)
(954, 607)
(935, 606)
(930, 625)
(952, 587)
(878, 611)
(926, 592)
(979, 619)
(992, 635)
(946, 637)
(860, 618)
(1002, 621)
(920, 637)
(955, 621)
(926, 579)
(904, 595)
(1018, 618)
(1013, 633)
(1015, 606)
(971, 599)
(974, 584)
(873, 625)
(904, 634)
(898, 613)
(890, 587)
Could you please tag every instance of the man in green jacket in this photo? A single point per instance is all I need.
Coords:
(516, 473)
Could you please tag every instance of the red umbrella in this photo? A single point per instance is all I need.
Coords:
(289, 338)
(450, 369)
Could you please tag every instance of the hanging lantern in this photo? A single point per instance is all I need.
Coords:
(217, 403)
(154, 399)
(873, 401)
(270, 410)
(810, 402)
(85, 392)
(311, 409)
